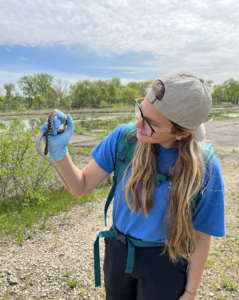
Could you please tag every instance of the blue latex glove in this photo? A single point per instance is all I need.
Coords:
(58, 142)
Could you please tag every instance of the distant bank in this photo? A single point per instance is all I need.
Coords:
(96, 110)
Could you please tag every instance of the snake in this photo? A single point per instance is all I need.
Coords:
(46, 133)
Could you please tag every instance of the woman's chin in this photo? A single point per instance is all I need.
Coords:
(141, 137)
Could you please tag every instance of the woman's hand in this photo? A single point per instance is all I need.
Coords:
(187, 296)
(58, 142)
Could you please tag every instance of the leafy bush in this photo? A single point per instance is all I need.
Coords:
(78, 128)
(103, 104)
(25, 176)
(22, 108)
(3, 125)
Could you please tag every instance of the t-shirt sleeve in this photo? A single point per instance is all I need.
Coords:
(104, 153)
(209, 216)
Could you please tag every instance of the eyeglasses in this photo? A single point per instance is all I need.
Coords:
(148, 129)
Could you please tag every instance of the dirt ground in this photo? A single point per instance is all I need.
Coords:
(224, 134)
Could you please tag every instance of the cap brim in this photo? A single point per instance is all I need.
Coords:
(199, 133)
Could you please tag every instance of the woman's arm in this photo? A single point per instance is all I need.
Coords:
(197, 262)
(80, 182)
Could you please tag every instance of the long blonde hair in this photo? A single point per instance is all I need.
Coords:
(186, 176)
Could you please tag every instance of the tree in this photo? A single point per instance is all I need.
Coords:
(51, 98)
(94, 94)
(105, 93)
(61, 89)
(218, 94)
(80, 94)
(39, 101)
(27, 85)
(10, 88)
(14, 105)
(143, 86)
(128, 95)
(43, 83)
(1, 102)
(16, 101)
(231, 88)
(117, 83)
(133, 85)
(210, 84)
(112, 92)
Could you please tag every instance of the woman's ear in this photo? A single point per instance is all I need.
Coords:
(183, 135)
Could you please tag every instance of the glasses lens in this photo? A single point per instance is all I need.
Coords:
(147, 128)
(137, 111)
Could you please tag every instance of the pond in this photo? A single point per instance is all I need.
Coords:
(89, 122)
(98, 121)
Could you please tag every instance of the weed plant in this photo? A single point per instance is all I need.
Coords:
(80, 150)
(15, 218)
(25, 177)
(112, 125)
(78, 128)
(29, 188)
(72, 282)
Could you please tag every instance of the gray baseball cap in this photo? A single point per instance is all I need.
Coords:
(187, 101)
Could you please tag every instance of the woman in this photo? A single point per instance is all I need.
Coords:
(169, 129)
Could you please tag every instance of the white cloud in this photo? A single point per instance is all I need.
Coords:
(160, 27)
(24, 58)
(201, 36)
(7, 49)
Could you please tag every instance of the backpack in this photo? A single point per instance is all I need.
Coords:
(124, 154)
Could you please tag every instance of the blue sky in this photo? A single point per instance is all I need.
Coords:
(129, 39)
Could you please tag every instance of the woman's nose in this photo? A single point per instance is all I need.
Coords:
(139, 123)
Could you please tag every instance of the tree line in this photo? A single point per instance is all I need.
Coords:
(41, 91)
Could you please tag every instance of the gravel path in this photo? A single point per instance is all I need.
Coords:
(41, 267)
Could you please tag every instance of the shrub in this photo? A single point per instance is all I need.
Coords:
(78, 128)
(103, 104)
(25, 176)
(21, 108)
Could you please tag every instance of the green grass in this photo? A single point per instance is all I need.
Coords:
(78, 128)
(16, 218)
(80, 150)
(112, 125)
(72, 282)
(19, 240)
(5, 296)
(228, 283)
(209, 263)
(66, 274)
(222, 118)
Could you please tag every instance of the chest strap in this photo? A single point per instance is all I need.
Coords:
(131, 242)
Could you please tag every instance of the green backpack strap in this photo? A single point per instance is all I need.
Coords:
(207, 152)
(124, 154)
(131, 242)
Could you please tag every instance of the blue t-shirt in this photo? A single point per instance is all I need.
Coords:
(209, 216)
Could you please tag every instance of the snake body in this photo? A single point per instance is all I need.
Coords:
(46, 133)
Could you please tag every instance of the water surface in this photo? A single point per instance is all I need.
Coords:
(98, 121)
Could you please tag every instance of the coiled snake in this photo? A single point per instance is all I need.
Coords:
(47, 133)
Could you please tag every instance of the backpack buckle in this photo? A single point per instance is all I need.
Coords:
(121, 238)
(121, 157)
